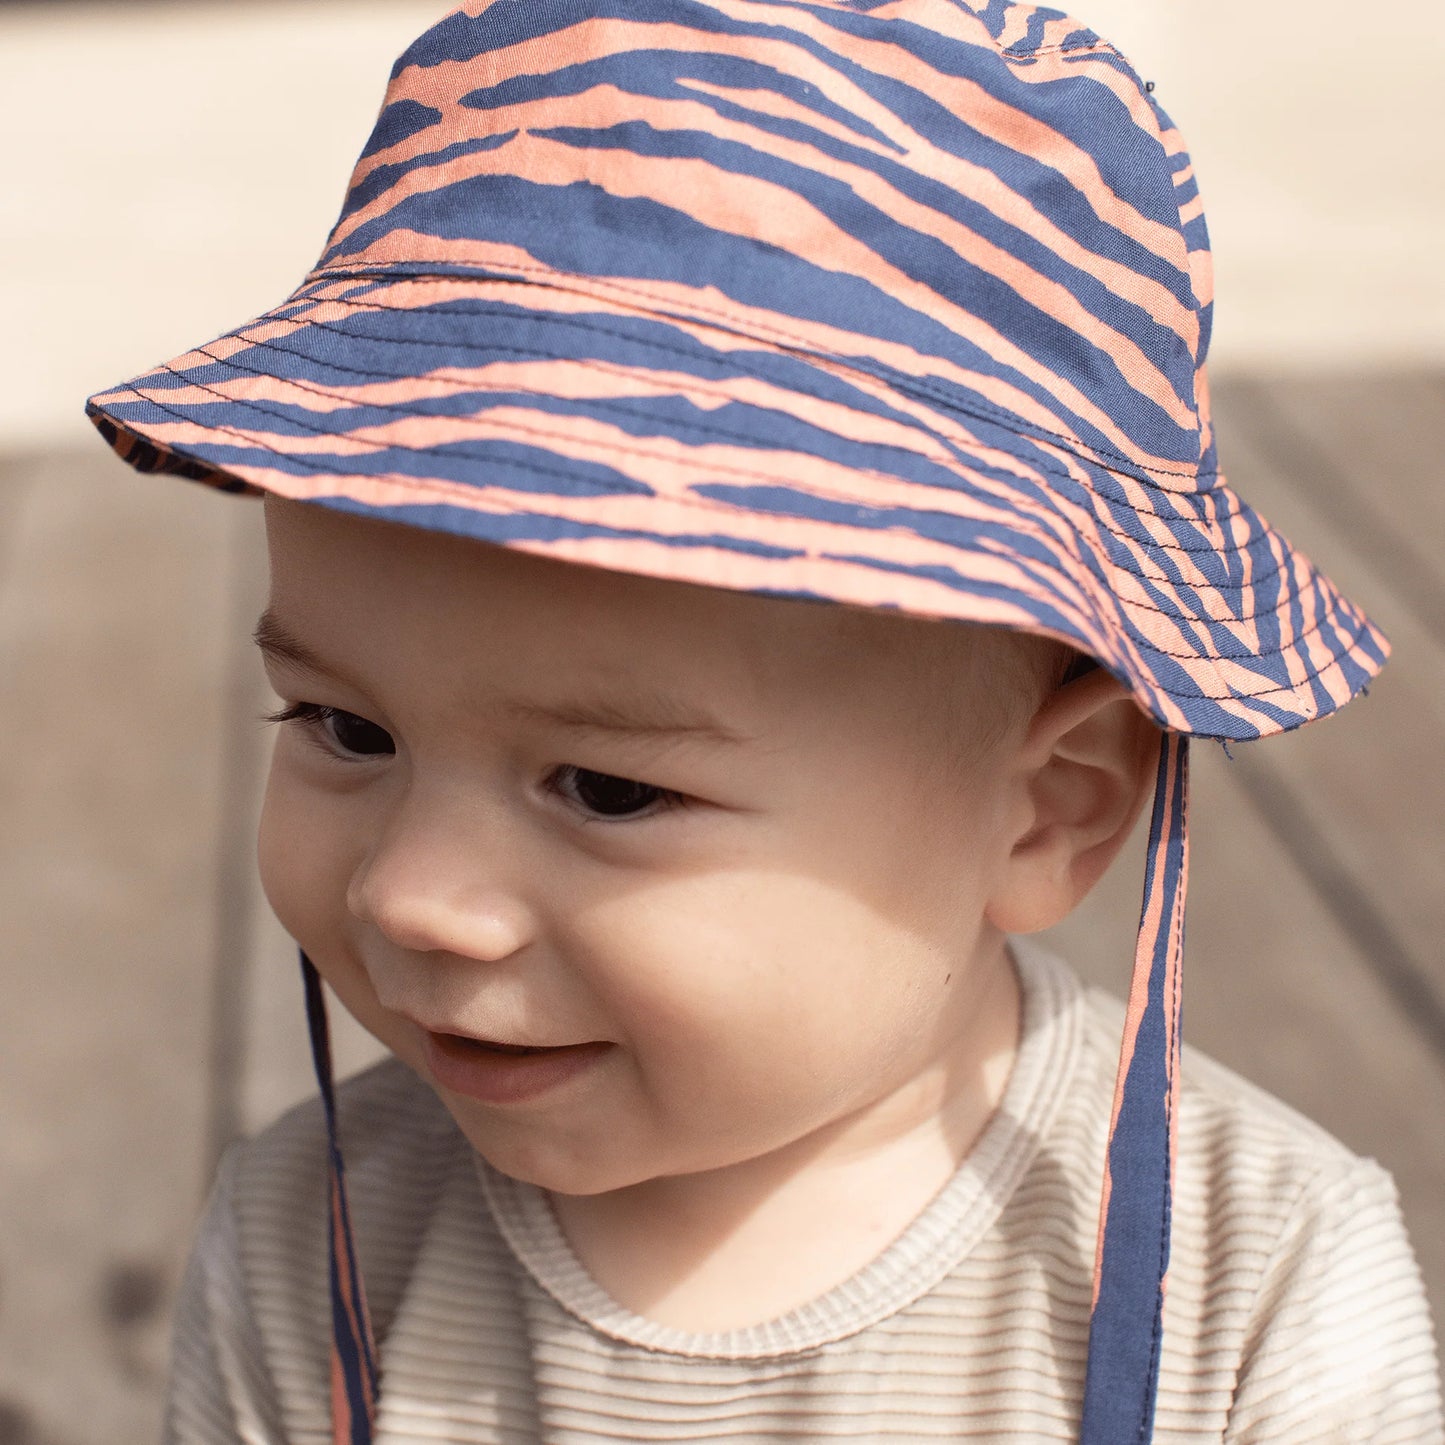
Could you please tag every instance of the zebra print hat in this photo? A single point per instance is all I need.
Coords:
(894, 303)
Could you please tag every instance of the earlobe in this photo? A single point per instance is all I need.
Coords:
(1084, 769)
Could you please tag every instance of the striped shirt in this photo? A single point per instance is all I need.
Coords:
(1295, 1309)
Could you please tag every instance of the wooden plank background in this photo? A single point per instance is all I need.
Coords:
(153, 1010)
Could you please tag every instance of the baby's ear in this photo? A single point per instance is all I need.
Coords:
(1082, 775)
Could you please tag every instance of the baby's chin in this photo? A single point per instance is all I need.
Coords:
(549, 1165)
(576, 1150)
(595, 1148)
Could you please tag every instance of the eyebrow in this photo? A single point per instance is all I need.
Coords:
(653, 716)
(279, 644)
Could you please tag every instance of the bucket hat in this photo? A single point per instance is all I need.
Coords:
(901, 304)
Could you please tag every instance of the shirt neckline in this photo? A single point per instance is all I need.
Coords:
(943, 1234)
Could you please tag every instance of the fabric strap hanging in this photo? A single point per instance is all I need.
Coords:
(1132, 1260)
(354, 1379)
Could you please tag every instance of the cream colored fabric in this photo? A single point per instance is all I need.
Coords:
(1295, 1311)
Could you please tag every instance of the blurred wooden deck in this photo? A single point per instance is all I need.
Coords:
(152, 1009)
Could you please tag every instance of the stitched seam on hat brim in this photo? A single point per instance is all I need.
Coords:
(915, 386)
(1135, 638)
(1035, 517)
(1148, 575)
(460, 386)
(828, 364)
(705, 505)
(1335, 605)
(1135, 471)
(1009, 52)
(712, 469)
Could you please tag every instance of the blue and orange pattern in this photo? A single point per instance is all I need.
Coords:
(899, 304)
(890, 303)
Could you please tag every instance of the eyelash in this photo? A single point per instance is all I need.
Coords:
(313, 716)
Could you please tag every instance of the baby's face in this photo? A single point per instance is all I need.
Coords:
(771, 914)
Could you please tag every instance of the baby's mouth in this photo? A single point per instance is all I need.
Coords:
(465, 1042)
(504, 1074)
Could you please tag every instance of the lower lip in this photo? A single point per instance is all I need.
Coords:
(464, 1067)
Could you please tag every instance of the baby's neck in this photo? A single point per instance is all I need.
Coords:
(741, 1245)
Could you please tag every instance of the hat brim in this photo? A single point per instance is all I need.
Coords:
(580, 428)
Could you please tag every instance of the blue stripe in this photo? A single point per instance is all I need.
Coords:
(995, 15)
(384, 177)
(398, 122)
(1033, 35)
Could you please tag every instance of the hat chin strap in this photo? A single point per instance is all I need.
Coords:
(1132, 1261)
(353, 1351)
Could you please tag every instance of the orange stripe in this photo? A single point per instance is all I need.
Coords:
(355, 1310)
(1138, 1003)
(340, 1404)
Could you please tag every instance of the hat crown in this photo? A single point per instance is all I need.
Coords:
(980, 205)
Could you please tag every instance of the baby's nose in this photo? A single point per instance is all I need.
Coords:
(449, 886)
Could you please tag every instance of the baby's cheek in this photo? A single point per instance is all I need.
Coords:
(303, 853)
(721, 989)
(293, 854)
(311, 843)
(666, 959)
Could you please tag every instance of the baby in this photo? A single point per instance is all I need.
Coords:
(745, 538)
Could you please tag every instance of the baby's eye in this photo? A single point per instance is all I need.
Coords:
(610, 796)
(343, 731)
